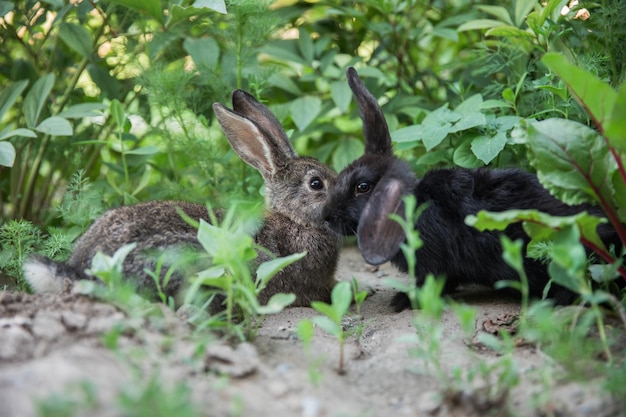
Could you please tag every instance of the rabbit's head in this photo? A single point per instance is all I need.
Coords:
(296, 187)
(372, 187)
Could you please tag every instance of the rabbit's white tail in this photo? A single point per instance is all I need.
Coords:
(47, 276)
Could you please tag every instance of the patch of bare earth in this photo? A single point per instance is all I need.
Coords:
(52, 345)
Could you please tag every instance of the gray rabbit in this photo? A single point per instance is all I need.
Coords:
(296, 191)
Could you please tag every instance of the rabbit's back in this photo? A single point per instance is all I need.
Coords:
(154, 226)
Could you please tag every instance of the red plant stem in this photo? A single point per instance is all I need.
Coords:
(603, 254)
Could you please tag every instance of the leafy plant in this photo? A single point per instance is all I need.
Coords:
(333, 314)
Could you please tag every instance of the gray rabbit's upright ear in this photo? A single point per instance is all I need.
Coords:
(247, 105)
(379, 237)
(377, 138)
(254, 145)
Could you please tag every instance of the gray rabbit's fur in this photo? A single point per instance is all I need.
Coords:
(296, 191)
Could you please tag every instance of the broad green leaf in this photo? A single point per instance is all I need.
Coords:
(479, 24)
(276, 304)
(464, 157)
(539, 226)
(437, 125)
(469, 121)
(487, 147)
(9, 96)
(470, 104)
(285, 83)
(7, 154)
(151, 8)
(446, 33)
(268, 269)
(304, 110)
(341, 297)
(305, 45)
(78, 111)
(6, 7)
(77, 38)
(615, 127)
(27, 133)
(569, 261)
(36, 99)
(572, 160)
(217, 5)
(55, 126)
(550, 10)
(497, 11)
(346, 151)
(596, 96)
(328, 326)
(522, 8)
(407, 134)
(341, 94)
(512, 253)
(327, 310)
(118, 113)
(144, 150)
(510, 32)
(205, 52)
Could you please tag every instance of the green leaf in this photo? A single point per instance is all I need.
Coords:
(118, 113)
(78, 111)
(341, 95)
(470, 104)
(437, 125)
(268, 269)
(304, 110)
(9, 96)
(328, 326)
(305, 45)
(596, 96)
(327, 310)
(151, 8)
(36, 99)
(407, 134)
(7, 154)
(205, 52)
(341, 297)
(464, 157)
(346, 151)
(217, 5)
(479, 24)
(615, 125)
(5, 8)
(469, 121)
(285, 83)
(486, 147)
(144, 150)
(77, 38)
(276, 304)
(522, 8)
(539, 226)
(497, 11)
(510, 32)
(572, 160)
(27, 133)
(55, 126)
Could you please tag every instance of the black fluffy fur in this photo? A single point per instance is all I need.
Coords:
(460, 253)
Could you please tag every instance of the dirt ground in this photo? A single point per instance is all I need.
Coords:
(53, 351)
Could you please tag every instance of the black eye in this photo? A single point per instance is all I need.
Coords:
(363, 187)
(316, 183)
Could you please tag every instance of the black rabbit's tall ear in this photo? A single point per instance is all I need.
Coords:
(379, 237)
(247, 105)
(254, 145)
(377, 138)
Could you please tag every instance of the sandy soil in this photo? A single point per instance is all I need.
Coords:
(53, 350)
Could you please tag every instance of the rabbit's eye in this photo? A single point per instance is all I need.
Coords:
(316, 183)
(363, 187)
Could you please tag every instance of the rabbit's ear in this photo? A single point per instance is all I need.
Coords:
(253, 144)
(247, 105)
(379, 237)
(377, 138)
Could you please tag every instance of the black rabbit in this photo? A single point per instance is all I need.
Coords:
(372, 187)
